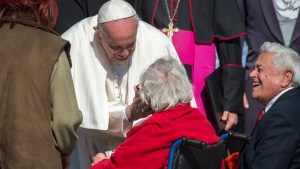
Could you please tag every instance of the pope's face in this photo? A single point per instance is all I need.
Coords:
(266, 79)
(119, 39)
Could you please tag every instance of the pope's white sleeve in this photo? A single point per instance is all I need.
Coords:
(118, 122)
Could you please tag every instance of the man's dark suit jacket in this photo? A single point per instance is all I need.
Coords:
(276, 137)
(261, 26)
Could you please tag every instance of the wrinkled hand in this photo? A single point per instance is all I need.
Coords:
(98, 157)
(66, 161)
(138, 109)
(230, 119)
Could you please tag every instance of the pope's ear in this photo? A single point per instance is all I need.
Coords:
(287, 79)
(98, 34)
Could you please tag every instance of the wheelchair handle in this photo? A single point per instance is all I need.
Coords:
(194, 143)
(239, 136)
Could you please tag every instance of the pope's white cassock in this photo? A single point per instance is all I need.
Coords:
(104, 89)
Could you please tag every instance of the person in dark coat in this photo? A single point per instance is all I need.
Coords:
(266, 21)
(275, 84)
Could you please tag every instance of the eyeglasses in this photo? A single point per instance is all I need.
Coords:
(120, 49)
(113, 47)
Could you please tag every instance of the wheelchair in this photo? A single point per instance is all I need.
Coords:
(188, 153)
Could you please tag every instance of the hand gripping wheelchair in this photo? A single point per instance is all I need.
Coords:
(188, 153)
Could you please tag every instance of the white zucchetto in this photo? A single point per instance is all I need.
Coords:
(115, 10)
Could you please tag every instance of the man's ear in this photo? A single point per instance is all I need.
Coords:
(98, 34)
(287, 79)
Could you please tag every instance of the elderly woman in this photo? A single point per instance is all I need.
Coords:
(164, 85)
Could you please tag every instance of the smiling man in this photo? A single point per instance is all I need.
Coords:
(109, 52)
(276, 137)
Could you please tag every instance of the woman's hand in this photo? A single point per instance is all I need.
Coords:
(98, 157)
(137, 109)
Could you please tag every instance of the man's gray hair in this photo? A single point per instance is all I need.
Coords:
(285, 59)
(165, 84)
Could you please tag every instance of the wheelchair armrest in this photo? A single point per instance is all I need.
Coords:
(194, 143)
(239, 136)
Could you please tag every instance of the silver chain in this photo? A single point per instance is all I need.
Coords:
(289, 5)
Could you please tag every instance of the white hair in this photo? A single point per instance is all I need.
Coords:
(285, 59)
(165, 84)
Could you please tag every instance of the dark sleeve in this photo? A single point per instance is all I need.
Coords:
(242, 7)
(233, 74)
(220, 19)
